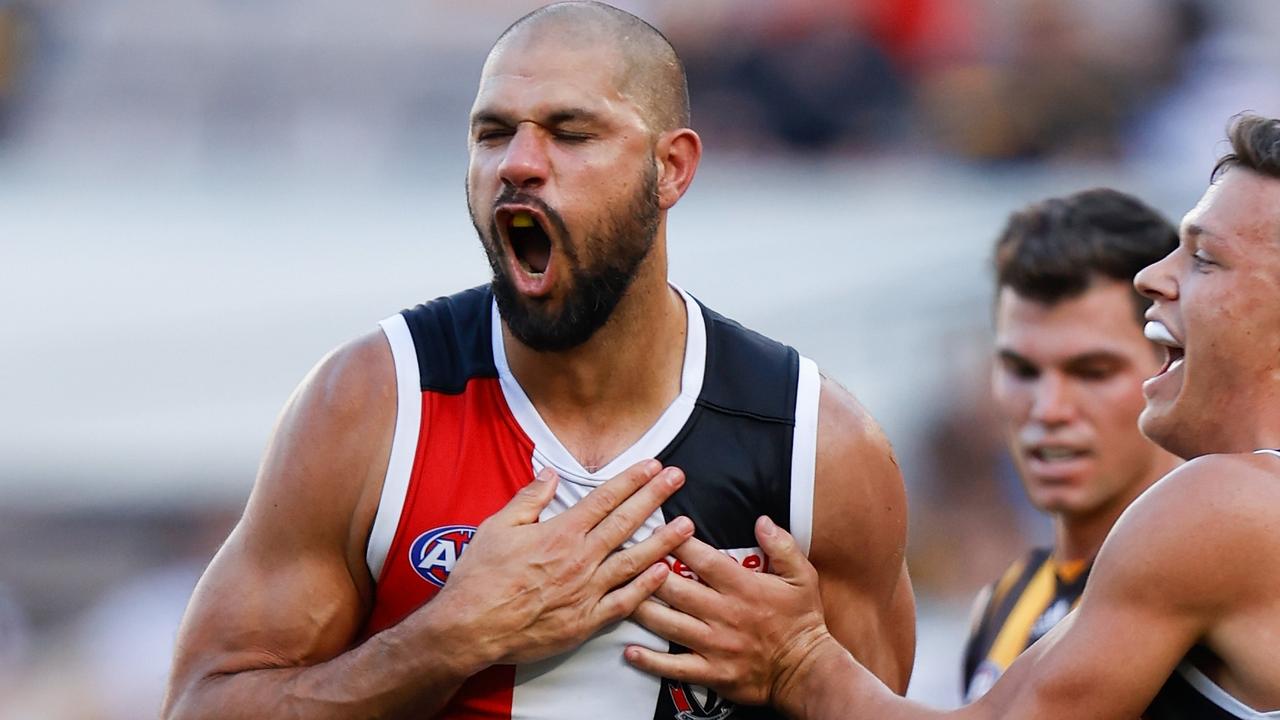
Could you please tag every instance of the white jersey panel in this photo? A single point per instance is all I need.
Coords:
(804, 453)
(593, 681)
(404, 443)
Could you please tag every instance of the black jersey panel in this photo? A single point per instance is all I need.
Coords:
(452, 336)
(1178, 700)
(737, 468)
(747, 373)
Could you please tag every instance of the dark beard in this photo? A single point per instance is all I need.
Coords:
(596, 289)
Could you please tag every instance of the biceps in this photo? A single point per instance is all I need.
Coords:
(876, 624)
(255, 609)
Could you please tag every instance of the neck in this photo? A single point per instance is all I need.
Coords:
(1080, 536)
(602, 395)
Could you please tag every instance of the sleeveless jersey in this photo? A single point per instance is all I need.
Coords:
(1032, 596)
(1189, 694)
(743, 429)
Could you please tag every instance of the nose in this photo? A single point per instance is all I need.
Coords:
(1156, 281)
(524, 162)
(1052, 403)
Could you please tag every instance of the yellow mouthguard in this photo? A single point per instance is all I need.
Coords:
(522, 220)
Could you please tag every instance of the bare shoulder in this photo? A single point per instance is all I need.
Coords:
(846, 430)
(1196, 537)
(860, 502)
(1219, 494)
(300, 543)
(324, 466)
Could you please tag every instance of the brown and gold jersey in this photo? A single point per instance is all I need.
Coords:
(1032, 596)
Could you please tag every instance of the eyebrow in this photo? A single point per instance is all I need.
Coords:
(1096, 356)
(1085, 358)
(557, 118)
(1197, 231)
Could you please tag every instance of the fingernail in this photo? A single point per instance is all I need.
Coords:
(651, 467)
(682, 525)
(767, 527)
(674, 478)
(544, 475)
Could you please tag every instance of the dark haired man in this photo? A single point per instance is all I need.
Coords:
(420, 440)
(1182, 611)
(1070, 361)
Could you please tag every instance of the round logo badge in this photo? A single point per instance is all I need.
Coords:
(434, 553)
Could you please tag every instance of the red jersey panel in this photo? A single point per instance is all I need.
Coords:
(467, 441)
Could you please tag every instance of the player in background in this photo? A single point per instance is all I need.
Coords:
(1067, 380)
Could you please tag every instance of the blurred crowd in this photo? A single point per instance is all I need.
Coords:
(981, 79)
(993, 81)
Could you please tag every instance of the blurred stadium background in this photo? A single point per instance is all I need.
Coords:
(198, 198)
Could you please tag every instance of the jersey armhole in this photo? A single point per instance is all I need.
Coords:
(404, 444)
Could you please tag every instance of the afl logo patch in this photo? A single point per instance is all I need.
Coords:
(694, 702)
(436, 551)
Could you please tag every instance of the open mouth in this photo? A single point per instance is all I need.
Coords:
(1157, 332)
(527, 236)
(1056, 453)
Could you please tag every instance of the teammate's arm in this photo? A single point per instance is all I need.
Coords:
(859, 538)
(1162, 581)
(270, 629)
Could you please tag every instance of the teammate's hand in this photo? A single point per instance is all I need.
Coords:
(748, 633)
(526, 590)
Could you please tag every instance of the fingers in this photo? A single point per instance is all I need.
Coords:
(687, 667)
(620, 603)
(528, 504)
(786, 560)
(621, 523)
(690, 596)
(625, 564)
(714, 567)
(603, 500)
(671, 624)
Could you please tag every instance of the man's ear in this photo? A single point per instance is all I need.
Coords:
(677, 154)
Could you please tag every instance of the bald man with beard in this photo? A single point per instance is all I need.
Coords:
(459, 511)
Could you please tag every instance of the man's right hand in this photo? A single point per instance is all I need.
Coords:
(526, 590)
(290, 647)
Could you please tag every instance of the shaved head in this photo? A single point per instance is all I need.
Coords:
(649, 72)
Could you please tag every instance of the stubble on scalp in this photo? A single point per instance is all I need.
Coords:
(649, 72)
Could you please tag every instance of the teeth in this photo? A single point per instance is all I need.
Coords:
(1157, 332)
(1056, 453)
(522, 220)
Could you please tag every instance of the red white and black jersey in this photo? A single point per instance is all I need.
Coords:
(743, 429)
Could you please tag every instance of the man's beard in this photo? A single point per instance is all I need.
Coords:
(595, 290)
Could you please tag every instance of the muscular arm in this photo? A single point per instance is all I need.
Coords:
(271, 627)
(1169, 576)
(1166, 577)
(859, 539)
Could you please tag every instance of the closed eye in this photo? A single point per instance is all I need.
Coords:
(572, 137)
(490, 134)
(1201, 261)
